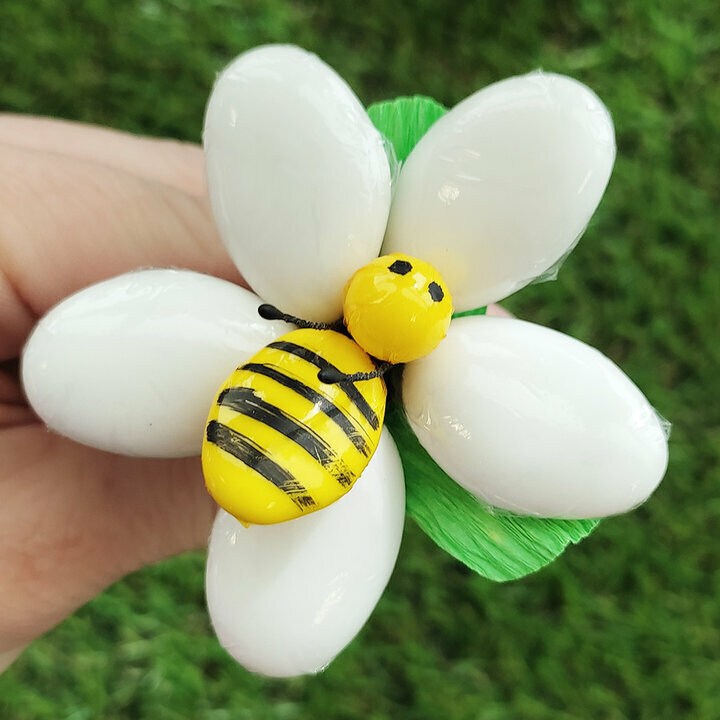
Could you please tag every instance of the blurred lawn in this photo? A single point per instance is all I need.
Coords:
(626, 625)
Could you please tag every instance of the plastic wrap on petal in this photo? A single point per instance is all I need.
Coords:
(286, 599)
(534, 421)
(132, 364)
(298, 177)
(502, 186)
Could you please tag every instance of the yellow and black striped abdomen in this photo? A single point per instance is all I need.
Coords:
(279, 443)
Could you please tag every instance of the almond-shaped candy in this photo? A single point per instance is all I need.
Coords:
(286, 599)
(500, 188)
(132, 364)
(298, 178)
(532, 420)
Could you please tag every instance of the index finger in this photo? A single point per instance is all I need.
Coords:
(68, 223)
(171, 162)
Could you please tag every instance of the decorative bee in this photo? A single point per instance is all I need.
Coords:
(304, 415)
(511, 439)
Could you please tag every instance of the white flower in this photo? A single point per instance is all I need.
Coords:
(495, 194)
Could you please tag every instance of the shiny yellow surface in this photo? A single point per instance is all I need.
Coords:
(318, 455)
(392, 315)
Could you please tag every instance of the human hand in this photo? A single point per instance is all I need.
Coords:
(79, 204)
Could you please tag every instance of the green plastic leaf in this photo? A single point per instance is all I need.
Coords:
(467, 313)
(405, 120)
(496, 544)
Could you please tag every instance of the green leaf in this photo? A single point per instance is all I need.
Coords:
(405, 120)
(467, 313)
(496, 544)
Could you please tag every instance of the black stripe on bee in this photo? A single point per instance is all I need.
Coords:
(320, 362)
(252, 455)
(353, 433)
(245, 401)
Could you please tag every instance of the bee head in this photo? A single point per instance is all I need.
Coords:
(397, 308)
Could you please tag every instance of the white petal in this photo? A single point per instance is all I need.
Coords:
(501, 187)
(286, 599)
(298, 177)
(534, 421)
(132, 364)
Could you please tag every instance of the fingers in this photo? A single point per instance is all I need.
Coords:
(67, 223)
(73, 520)
(179, 165)
(77, 209)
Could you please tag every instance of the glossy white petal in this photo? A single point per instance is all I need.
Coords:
(534, 421)
(286, 599)
(298, 177)
(132, 364)
(501, 187)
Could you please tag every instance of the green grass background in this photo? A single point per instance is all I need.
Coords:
(626, 625)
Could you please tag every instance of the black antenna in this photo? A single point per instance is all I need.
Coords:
(333, 375)
(270, 312)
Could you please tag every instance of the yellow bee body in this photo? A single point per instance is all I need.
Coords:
(280, 443)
